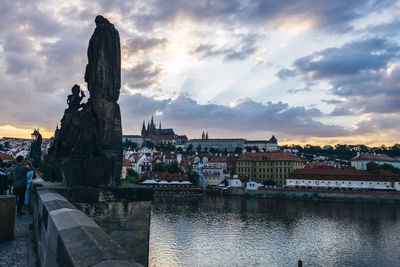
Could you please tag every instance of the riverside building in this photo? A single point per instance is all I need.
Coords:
(268, 166)
(371, 179)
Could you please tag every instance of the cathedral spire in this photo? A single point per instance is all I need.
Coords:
(160, 126)
(152, 121)
(203, 136)
(143, 129)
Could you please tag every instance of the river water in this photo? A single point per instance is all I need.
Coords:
(236, 231)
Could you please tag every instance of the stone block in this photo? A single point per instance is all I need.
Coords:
(7, 215)
(117, 263)
(87, 246)
(68, 218)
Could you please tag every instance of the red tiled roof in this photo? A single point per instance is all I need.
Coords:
(313, 165)
(342, 174)
(222, 158)
(243, 178)
(162, 137)
(269, 156)
(126, 163)
(375, 157)
(169, 176)
(186, 161)
(218, 139)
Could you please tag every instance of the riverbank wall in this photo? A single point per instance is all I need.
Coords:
(320, 195)
(85, 226)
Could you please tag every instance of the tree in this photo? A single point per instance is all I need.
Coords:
(199, 148)
(189, 148)
(131, 177)
(269, 182)
(255, 148)
(149, 144)
(129, 144)
(193, 176)
(159, 167)
(238, 150)
(49, 169)
(389, 167)
(212, 150)
(248, 148)
(173, 167)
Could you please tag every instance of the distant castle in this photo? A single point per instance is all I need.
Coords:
(152, 130)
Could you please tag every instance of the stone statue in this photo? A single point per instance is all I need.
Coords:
(88, 147)
(103, 72)
(36, 148)
(74, 100)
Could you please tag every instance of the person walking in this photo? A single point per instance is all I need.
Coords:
(19, 183)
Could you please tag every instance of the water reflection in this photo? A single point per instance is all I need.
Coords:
(235, 231)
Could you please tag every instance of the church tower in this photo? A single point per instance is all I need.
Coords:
(144, 130)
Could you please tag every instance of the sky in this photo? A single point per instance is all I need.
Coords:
(319, 72)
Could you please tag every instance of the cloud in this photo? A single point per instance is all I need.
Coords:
(332, 16)
(144, 44)
(301, 90)
(241, 116)
(371, 91)
(138, 105)
(379, 124)
(283, 74)
(244, 48)
(141, 76)
(350, 59)
(332, 101)
(229, 54)
(17, 64)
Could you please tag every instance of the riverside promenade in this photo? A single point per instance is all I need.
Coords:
(20, 251)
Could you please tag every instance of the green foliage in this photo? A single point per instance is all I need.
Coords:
(345, 152)
(269, 182)
(389, 167)
(248, 148)
(189, 148)
(198, 147)
(165, 147)
(255, 148)
(149, 144)
(193, 176)
(129, 144)
(131, 180)
(131, 172)
(238, 150)
(173, 167)
(159, 167)
(49, 169)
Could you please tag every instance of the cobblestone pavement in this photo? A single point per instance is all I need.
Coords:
(19, 252)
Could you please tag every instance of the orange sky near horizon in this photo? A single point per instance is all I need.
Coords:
(11, 131)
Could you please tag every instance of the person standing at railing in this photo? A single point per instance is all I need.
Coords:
(20, 182)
